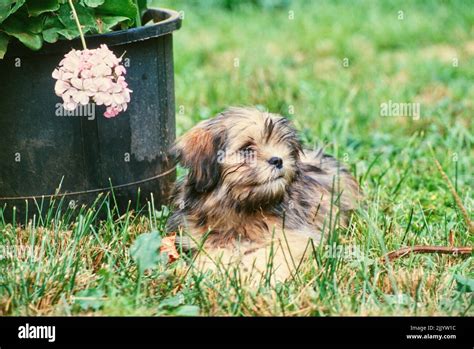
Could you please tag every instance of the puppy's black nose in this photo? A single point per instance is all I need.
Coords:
(276, 161)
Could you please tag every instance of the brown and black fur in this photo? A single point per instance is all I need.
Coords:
(240, 196)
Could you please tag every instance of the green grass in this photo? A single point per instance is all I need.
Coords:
(295, 67)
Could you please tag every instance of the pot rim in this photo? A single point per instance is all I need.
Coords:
(165, 22)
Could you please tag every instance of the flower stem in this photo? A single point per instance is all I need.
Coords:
(138, 20)
(74, 13)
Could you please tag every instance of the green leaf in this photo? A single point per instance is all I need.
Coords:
(93, 3)
(26, 29)
(69, 34)
(464, 284)
(90, 298)
(4, 39)
(145, 250)
(37, 7)
(86, 18)
(52, 22)
(52, 27)
(106, 23)
(8, 7)
(126, 8)
(30, 40)
(22, 22)
(35, 24)
(51, 35)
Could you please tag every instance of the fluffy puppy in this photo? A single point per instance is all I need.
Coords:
(253, 196)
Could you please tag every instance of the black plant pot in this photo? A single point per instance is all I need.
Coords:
(40, 149)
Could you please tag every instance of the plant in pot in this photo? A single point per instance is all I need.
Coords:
(46, 141)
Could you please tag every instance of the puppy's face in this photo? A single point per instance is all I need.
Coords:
(243, 156)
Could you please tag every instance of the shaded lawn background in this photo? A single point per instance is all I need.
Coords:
(254, 53)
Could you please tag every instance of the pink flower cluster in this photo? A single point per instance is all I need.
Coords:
(92, 74)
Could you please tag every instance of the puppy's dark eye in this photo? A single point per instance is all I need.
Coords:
(247, 149)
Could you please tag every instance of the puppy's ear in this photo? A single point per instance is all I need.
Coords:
(198, 151)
